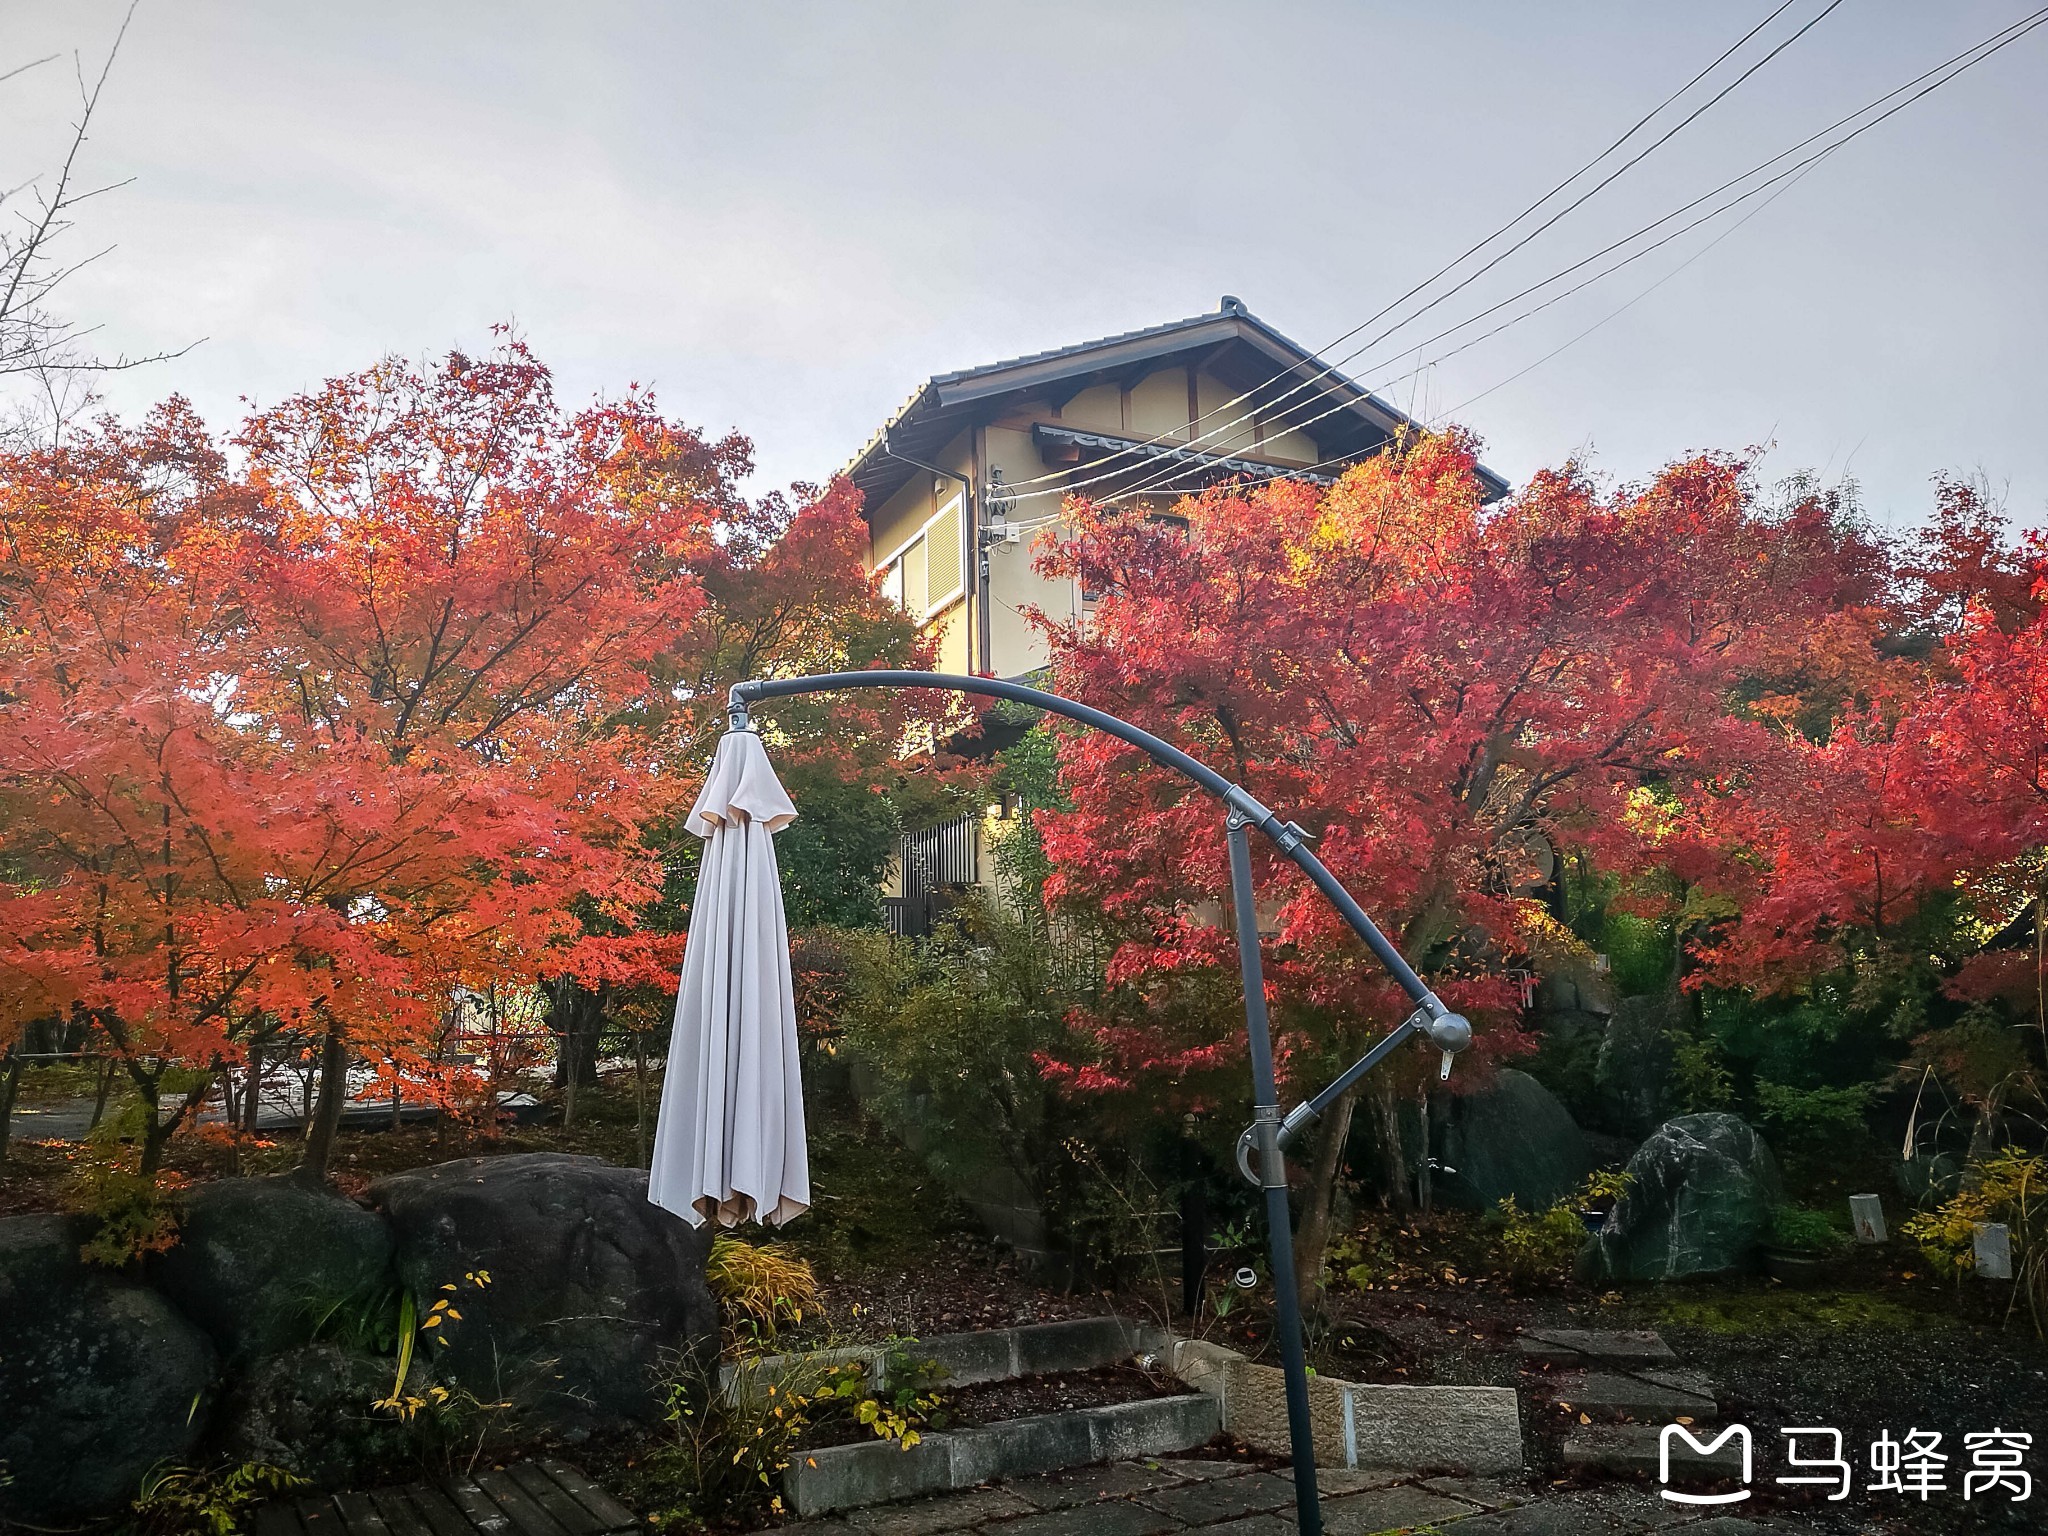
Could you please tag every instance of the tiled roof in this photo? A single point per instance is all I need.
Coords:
(1143, 334)
(1387, 418)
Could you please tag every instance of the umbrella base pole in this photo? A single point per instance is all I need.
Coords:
(1273, 1180)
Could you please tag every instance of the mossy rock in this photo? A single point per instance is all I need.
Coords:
(1699, 1201)
(260, 1261)
(313, 1411)
(1511, 1138)
(100, 1378)
(589, 1284)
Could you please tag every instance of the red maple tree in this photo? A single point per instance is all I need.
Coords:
(391, 703)
(1895, 835)
(1448, 696)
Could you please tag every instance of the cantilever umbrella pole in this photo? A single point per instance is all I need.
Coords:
(1268, 1135)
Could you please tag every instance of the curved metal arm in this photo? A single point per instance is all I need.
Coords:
(1288, 838)
(1269, 1133)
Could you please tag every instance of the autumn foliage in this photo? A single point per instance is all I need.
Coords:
(1733, 707)
(380, 703)
(392, 698)
(1449, 697)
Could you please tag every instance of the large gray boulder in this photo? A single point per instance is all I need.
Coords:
(1512, 1138)
(1698, 1203)
(588, 1283)
(312, 1411)
(100, 1378)
(260, 1261)
(1633, 1074)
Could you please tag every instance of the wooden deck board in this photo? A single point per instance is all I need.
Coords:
(528, 1498)
(554, 1498)
(320, 1517)
(279, 1517)
(359, 1515)
(613, 1515)
(528, 1518)
(439, 1511)
(476, 1507)
(399, 1517)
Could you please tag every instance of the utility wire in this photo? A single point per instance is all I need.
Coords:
(1448, 413)
(1954, 66)
(1017, 491)
(1503, 229)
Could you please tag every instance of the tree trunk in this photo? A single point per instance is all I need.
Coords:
(252, 1093)
(155, 1137)
(1393, 1154)
(1312, 1236)
(157, 1128)
(320, 1131)
(1425, 1186)
(576, 1013)
(99, 1103)
(9, 1085)
(640, 1096)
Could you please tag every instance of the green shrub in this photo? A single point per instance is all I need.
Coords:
(1537, 1249)
(952, 1032)
(205, 1501)
(1805, 1230)
(1700, 1079)
(2011, 1188)
(1541, 1249)
(1812, 1119)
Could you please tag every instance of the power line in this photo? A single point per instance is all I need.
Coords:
(1615, 314)
(1603, 251)
(1471, 250)
(1953, 66)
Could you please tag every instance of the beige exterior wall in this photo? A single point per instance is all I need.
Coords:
(1159, 404)
(1097, 409)
(921, 534)
(1013, 585)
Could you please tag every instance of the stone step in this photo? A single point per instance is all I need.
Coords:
(1636, 1450)
(1646, 1394)
(1586, 1346)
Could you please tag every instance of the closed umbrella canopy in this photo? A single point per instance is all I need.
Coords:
(729, 1146)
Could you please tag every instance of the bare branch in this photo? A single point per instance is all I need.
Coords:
(36, 341)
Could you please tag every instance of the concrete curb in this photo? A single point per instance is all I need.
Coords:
(877, 1471)
(1411, 1429)
(969, 1359)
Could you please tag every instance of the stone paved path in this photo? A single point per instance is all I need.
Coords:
(1228, 1498)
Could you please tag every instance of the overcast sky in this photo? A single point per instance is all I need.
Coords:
(785, 216)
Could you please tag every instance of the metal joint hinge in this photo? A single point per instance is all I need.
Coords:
(1262, 1135)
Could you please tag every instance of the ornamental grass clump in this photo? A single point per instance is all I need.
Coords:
(762, 1287)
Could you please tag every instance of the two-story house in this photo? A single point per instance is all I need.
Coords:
(958, 480)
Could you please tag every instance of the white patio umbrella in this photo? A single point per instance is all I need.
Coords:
(729, 1144)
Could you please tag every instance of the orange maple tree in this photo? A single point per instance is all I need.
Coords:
(388, 702)
(1447, 696)
(310, 747)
